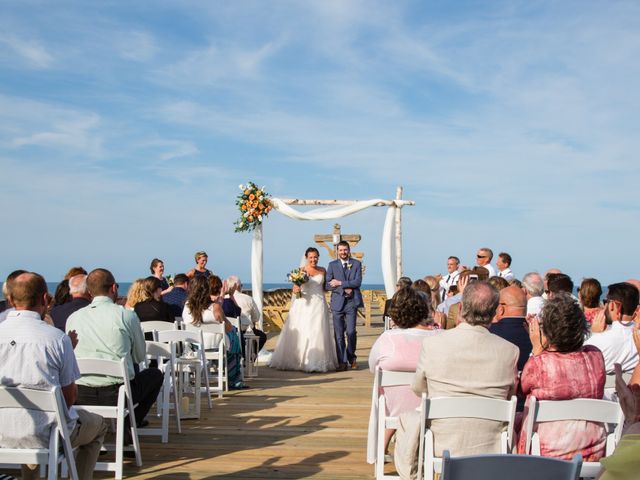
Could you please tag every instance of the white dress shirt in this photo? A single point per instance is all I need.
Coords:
(492, 270)
(250, 312)
(507, 274)
(616, 345)
(534, 305)
(446, 282)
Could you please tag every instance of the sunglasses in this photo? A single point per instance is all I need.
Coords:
(481, 256)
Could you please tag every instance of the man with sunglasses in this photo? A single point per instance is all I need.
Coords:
(483, 259)
(616, 342)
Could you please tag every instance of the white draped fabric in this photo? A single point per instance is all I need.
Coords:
(328, 213)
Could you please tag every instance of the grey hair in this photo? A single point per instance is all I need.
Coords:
(479, 303)
(488, 251)
(233, 282)
(78, 284)
(533, 284)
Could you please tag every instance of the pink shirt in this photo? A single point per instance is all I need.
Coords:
(565, 376)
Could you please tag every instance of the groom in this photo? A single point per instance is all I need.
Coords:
(344, 277)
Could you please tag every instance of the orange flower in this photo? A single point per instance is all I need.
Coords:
(261, 207)
(247, 192)
(244, 207)
(252, 196)
(250, 218)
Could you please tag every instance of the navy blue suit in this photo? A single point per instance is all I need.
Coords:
(344, 307)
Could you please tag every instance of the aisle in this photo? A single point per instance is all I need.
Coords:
(289, 425)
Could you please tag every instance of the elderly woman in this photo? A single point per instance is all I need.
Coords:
(589, 294)
(399, 349)
(200, 270)
(204, 306)
(561, 368)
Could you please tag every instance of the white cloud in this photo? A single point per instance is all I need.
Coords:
(136, 45)
(31, 51)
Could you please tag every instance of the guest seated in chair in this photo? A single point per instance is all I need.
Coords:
(561, 368)
(399, 349)
(204, 306)
(153, 308)
(464, 361)
(109, 331)
(238, 304)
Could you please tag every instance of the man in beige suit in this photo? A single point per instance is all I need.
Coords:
(467, 360)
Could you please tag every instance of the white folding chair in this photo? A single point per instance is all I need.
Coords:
(179, 323)
(160, 352)
(520, 467)
(158, 325)
(196, 339)
(125, 407)
(52, 403)
(215, 351)
(383, 379)
(588, 409)
(462, 407)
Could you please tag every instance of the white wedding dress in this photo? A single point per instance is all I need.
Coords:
(307, 342)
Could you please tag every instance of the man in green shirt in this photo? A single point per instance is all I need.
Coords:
(109, 331)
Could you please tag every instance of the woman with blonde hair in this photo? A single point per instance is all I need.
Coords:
(136, 294)
(200, 269)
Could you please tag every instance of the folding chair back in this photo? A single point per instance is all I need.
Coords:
(462, 407)
(521, 467)
(158, 325)
(380, 421)
(193, 337)
(588, 409)
(46, 401)
(125, 407)
(160, 352)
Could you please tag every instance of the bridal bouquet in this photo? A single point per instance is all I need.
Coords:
(254, 206)
(298, 276)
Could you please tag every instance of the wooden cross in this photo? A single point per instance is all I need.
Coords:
(329, 242)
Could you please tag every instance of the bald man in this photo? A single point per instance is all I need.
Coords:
(510, 322)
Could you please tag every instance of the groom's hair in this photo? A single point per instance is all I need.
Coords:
(344, 243)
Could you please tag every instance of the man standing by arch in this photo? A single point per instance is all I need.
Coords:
(344, 277)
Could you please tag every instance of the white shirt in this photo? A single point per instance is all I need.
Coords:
(507, 274)
(3, 314)
(446, 282)
(36, 355)
(250, 313)
(616, 345)
(491, 268)
(534, 305)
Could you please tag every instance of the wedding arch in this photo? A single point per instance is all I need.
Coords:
(330, 210)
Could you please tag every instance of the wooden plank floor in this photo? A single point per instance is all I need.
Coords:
(289, 425)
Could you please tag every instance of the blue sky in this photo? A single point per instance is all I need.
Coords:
(125, 129)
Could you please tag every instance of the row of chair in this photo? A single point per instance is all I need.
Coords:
(603, 411)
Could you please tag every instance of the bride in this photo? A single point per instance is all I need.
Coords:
(307, 342)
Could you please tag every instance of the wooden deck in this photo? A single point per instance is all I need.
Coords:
(289, 425)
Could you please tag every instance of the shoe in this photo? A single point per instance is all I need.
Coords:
(341, 367)
(354, 365)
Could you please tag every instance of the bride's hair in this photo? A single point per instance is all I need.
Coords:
(309, 250)
(198, 298)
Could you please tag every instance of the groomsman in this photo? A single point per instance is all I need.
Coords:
(344, 277)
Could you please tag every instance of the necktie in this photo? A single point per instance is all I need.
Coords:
(344, 268)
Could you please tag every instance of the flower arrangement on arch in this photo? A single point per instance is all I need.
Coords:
(254, 205)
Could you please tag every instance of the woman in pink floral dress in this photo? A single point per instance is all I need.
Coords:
(562, 369)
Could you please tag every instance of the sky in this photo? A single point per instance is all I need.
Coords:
(126, 128)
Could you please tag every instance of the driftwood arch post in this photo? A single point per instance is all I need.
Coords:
(392, 233)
